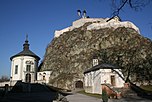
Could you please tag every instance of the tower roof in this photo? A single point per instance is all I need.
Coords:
(101, 66)
(26, 51)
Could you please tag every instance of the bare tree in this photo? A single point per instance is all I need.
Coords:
(4, 78)
(118, 5)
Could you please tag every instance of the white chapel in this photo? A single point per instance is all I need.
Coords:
(102, 74)
(24, 65)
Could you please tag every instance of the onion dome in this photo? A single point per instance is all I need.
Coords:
(26, 51)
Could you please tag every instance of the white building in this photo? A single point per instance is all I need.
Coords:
(24, 65)
(44, 76)
(101, 74)
(98, 23)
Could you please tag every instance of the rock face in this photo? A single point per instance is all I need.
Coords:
(71, 51)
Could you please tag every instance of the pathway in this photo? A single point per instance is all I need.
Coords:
(83, 98)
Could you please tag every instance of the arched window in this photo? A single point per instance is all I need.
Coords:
(28, 78)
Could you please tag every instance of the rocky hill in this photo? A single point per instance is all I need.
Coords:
(71, 51)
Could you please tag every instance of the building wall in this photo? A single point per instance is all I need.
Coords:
(97, 23)
(43, 76)
(16, 61)
(22, 61)
(119, 81)
(94, 79)
(97, 82)
(88, 83)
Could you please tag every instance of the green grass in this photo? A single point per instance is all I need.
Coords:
(147, 87)
(89, 94)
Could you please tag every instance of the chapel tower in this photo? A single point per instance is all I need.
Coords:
(24, 65)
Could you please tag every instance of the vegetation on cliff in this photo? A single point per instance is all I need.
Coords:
(69, 55)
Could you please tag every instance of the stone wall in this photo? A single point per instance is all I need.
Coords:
(97, 23)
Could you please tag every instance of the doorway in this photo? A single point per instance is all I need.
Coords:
(28, 78)
(79, 84)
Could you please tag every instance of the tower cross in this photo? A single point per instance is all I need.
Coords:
(26, 37)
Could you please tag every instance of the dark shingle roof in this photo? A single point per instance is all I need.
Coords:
(26, 52)
(101, 66)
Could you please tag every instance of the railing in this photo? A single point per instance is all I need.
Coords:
(111, 91)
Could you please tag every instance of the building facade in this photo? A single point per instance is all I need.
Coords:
(102, 74)
(43, 76)
(24, 65)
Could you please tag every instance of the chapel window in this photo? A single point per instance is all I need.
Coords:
(16, 69)
(28, 68)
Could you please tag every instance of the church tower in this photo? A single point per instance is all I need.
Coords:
(24, 65)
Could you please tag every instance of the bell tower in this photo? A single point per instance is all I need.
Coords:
(95, 61)
(24, 65)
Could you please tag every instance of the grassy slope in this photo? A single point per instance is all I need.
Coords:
(147, 87)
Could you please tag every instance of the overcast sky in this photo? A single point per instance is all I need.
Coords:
(40, 18)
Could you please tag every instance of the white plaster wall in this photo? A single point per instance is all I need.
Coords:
(88, 83)
(86, 80)
(2, 84)
(77, 24)
(10, 83)
(97, 23)
(59, 32)
(106, 77)
(81, 22)
(94, 79)
(41, 74)
(105, 70)
(119, 81)
(16, 61)
(21, 62)
(97, 82)
(115, 25)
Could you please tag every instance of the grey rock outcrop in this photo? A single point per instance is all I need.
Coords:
(70, 54)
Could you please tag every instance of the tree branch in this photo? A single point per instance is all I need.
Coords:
(116, 13)
(134, 4)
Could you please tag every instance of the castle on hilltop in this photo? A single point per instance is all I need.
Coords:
(97, 23)
(24, 65)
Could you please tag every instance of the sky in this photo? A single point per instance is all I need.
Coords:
(40, 18)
